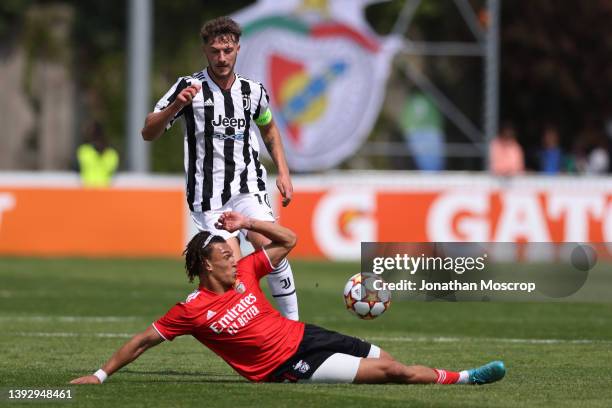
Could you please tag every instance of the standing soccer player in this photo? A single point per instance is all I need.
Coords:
(220, 109)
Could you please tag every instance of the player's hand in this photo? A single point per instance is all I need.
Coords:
(283, 182)
(88, 379)
(232, 221)
(185, 97)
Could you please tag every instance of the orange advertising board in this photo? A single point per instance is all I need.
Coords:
(332, 222)
(332, 215)
(91, 222)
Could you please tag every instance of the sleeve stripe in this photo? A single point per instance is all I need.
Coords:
(157, 330)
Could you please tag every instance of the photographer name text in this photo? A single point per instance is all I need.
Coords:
(490, 285)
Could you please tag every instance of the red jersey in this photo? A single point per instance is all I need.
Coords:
(240, 325)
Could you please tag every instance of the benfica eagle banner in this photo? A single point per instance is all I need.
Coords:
(325, 71)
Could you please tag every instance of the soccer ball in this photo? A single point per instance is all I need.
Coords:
(362, 299)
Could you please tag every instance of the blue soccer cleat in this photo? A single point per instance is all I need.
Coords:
(488, 373)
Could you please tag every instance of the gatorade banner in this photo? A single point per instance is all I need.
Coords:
(325, 71)
(333, 221)
(332, 215)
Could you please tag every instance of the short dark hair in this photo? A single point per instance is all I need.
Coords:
(220, 27)
(196, 252)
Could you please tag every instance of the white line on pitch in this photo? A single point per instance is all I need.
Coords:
(489, 339)
(71, 319)
(68, 334)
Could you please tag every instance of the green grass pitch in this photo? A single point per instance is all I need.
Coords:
(63, 318)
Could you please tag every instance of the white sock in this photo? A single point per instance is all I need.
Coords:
(282, 286)
(463, 377)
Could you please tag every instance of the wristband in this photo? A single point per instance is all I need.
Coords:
(101, 374)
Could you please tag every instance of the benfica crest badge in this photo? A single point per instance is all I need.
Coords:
(325, 71)
(239, 287)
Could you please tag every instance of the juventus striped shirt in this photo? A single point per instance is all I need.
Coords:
(221, 150)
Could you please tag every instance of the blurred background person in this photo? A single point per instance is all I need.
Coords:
(592, 154)
(422, 126)
(551, 154)
(506, 154)
(96, 159)
(598, 159)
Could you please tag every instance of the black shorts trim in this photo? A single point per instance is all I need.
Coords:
(317, 345)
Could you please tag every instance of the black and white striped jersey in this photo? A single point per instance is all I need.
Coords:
(220, 143)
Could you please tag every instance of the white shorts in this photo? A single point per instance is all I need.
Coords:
(252, 205)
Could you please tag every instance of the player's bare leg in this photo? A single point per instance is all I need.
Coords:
(386, 370)
(280, 281)
(235, 245)
(381, 371)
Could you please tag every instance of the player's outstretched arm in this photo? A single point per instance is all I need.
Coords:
(282, 239)
(274, 144)
(156, 122)
(129, 352)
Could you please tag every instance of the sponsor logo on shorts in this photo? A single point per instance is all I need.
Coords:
(301, 366)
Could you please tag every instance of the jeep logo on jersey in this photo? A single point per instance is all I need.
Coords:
(233, 122)
(325, 72)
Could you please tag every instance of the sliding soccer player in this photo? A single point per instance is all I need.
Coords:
(230, 315)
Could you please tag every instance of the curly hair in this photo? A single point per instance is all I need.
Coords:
(223, 27)
(196, 252)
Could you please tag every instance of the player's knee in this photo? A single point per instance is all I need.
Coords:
(294, 239)
(234, 243)
(385, 356)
